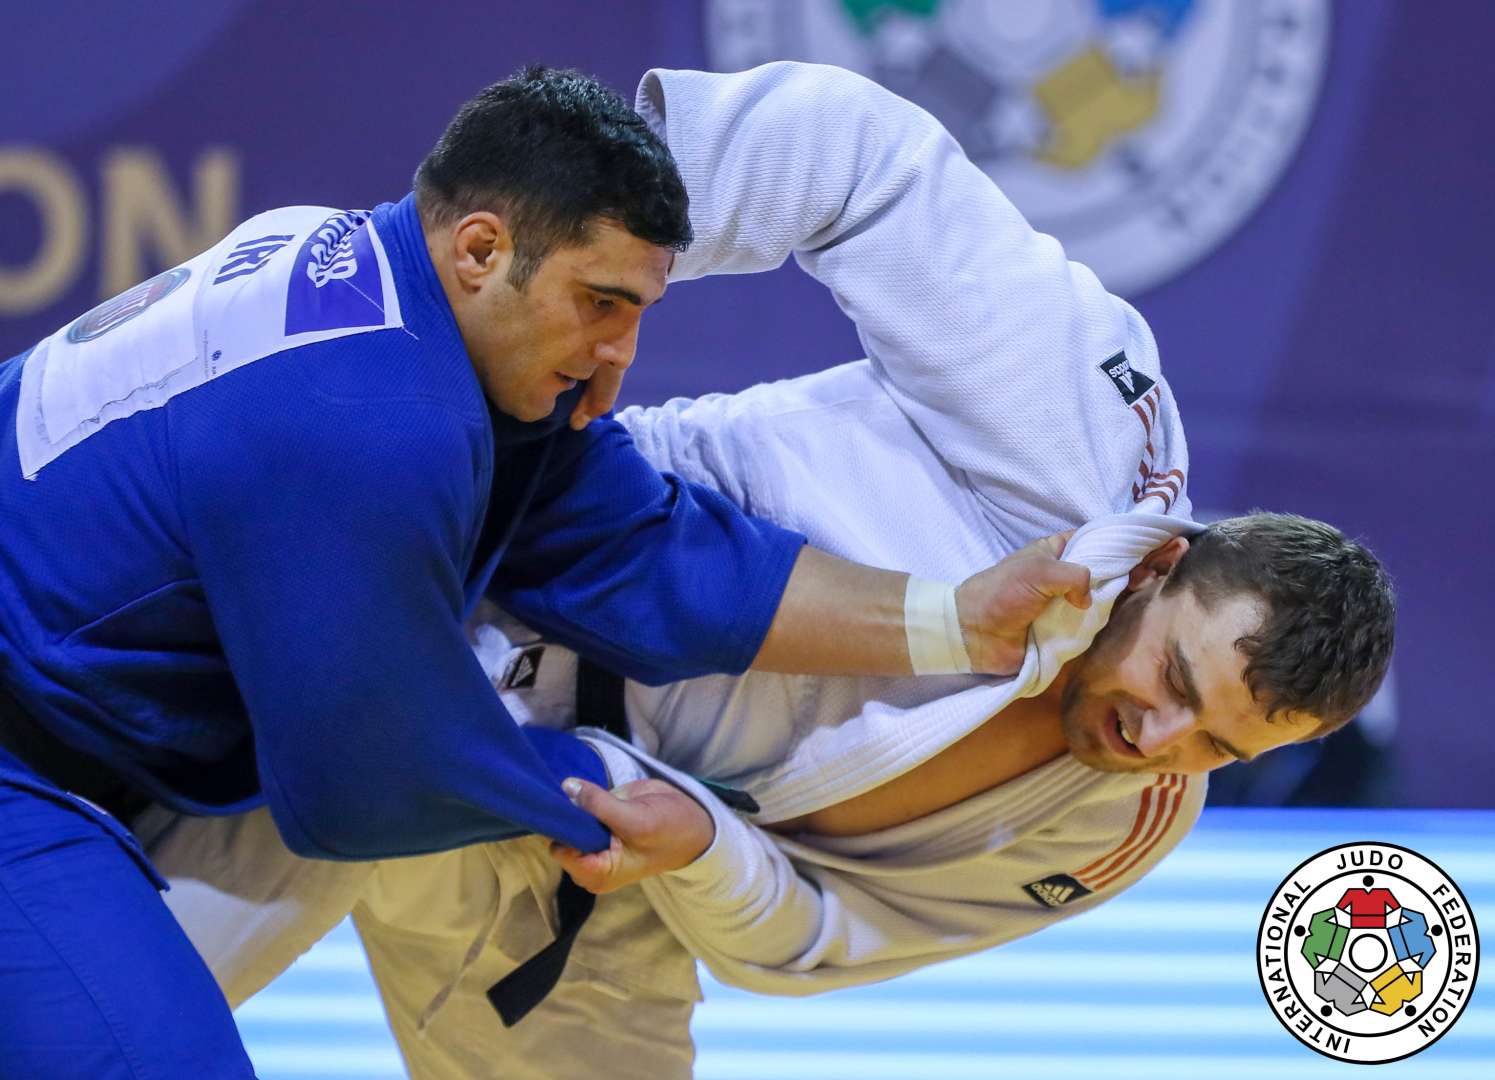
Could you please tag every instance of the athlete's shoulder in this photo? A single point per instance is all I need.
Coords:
(281, 281)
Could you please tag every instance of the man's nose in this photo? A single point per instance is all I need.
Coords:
(1161, 729)
(617, 351)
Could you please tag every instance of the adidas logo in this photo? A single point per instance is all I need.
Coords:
(1053, 895)
(1131, 385)
(1056, 890)
(525, 668)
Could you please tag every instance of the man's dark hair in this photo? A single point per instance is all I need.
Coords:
(1329, 613)
(552, 151)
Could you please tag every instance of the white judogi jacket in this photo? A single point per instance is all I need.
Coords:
(991, 410)
(1005, 396)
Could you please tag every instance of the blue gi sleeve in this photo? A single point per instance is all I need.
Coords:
(331, 533)
(654, 577)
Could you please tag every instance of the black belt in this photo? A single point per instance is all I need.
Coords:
(599, 703)
(72, 770)
(599, 700)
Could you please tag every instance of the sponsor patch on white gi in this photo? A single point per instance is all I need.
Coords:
(1130, 383)
(1056, 890)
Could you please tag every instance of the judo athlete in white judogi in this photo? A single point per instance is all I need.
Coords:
(1005, 396)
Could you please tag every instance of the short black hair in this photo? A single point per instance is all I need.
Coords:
(552, 151)
(1329, 611)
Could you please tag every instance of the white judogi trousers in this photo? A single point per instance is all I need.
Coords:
(439, 930)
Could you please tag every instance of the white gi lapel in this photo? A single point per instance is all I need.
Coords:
(835, 764)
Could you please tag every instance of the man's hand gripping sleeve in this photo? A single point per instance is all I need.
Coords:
(765, 922)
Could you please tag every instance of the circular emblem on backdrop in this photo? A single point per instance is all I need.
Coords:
(128, 304)
(1141, 133)
(1368, 953)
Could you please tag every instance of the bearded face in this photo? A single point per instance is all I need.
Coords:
(1162, 688)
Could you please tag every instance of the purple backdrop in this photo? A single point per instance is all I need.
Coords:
(1332, 354)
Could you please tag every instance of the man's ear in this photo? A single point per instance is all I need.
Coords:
(1157, 563)
(482, 250)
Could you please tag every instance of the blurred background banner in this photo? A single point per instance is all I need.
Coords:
(1297, 194)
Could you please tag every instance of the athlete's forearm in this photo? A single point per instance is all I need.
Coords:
(842, 618)
(837, 618)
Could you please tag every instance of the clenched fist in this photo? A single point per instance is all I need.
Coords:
(998, 605)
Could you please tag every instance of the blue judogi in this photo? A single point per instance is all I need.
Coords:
(244, 510)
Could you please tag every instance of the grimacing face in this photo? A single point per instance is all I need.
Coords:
(1161, 688)
(579, 311)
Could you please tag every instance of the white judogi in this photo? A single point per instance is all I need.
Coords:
(1005, 396)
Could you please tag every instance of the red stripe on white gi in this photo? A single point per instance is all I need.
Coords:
(1143, 811)
(1173, 800)
(1166, 486)
(1156, 813)
(1146, 423)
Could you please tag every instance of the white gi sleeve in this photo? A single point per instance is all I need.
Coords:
(769, 921)
(991, 341)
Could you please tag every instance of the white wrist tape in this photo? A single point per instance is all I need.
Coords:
(932, 624)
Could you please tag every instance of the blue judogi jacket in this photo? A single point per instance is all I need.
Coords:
(246, 506)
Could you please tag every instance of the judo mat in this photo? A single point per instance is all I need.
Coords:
(1159, 983)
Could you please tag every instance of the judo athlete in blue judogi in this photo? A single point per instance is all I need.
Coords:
(246, 506)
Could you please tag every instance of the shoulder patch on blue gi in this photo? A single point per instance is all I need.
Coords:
(339, 253)
(1056, 890)
(1130, 383)
(524, 669)
(229, 306)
